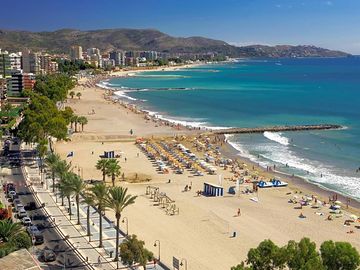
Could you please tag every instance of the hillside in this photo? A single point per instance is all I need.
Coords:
(146, 39)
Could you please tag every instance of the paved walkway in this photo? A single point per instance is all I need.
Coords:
(77, 233)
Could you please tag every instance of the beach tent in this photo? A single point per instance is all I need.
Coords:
(213, 190)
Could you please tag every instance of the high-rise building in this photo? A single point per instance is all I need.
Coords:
(18, 82)
(15, 61)
(118, 57)
(76, 52)
(5, 67)
(31, 62)
(47, 66)
(149, 55)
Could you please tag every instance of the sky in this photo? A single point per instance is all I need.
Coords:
(333, 24)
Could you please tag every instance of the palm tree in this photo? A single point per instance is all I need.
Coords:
(42, 149)
(118, 200)
(102, 165)
(9, 229)
(88, 198)
(74, 120)
(51, 160)
(113, 169)
(78, 186)
(82, 120)
(100, 195)
(66, 188)
(61, 168)
(78, 94)
(72, 94)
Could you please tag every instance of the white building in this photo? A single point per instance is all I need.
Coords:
(15, 61)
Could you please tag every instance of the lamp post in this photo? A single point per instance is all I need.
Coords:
(181, 263)
(157, 243)
(125, 219)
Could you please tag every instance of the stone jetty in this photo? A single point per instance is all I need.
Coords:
(276, 129)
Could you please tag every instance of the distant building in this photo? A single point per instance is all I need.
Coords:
(149, 55)
(31, 62)
(47, 66)
(15, 61)
(18, 82)
(118, 57)
(76, 52)
(107, 63)
(131, 61)
(5, 66)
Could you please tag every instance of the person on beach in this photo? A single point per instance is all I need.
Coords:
(99, 260)
(238, 212)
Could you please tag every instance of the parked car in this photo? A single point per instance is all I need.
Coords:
(26, 221)
(22, 213)
(30, 206)
(11, 193)
(34, 232)
(18, 206)
(16, 202)
(47, 255)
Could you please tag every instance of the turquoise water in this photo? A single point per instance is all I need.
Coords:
(253, 93)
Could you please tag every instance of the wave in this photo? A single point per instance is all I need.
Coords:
(276, 137)
(288, 161)
(188, 122)
(122, 94)
(159, 76)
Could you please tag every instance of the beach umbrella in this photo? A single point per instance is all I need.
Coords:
(338, 202)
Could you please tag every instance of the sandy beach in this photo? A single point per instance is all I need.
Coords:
(201, 232)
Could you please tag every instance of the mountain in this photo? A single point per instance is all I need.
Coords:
(147, 39)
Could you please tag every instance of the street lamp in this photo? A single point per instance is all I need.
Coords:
(181, 263)
(125, 219)
(158, 244)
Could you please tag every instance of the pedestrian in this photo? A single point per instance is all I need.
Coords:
(238, 212)
(137, 154)
(125, 159)
(99, 260)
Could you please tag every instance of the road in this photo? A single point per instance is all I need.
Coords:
(52, 240)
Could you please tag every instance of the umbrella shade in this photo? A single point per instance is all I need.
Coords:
(338, 202)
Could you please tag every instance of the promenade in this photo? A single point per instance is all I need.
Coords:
(76, 235)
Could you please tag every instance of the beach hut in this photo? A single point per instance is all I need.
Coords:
(213, 190)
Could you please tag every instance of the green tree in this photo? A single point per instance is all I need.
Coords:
(133, 251)
(72, 94)
(8, 229)
(54, 86)
(266, 256)
(102, 165)
(21, 240)
(52, 161)
(74, 121)
(100, 195)
(67, 114)
(61, 169)
(118, 200)
(78, 186)
(66, 188)
(82, 120)
(113, 169)
(241, 267)
(42, 119)
(88, 198)
(339, 256)
(42, 149)
(303, 255)
(78, 94)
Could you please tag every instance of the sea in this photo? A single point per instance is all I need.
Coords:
(267, 92)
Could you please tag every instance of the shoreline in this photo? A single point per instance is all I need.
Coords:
(297, 182)
(201, 230)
